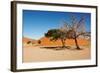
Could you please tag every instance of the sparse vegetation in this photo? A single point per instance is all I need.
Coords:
(28, 42)
(55, 34)
(39, 41)
(69, 31)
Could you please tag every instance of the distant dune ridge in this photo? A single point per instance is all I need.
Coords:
(47, 42)
(26, 40)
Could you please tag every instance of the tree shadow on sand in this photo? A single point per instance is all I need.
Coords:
(60, 48)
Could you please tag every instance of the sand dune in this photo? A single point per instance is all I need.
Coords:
(47, 42)
(25, 39)
(28, 41)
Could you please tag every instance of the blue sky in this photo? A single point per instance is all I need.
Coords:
(36, 23)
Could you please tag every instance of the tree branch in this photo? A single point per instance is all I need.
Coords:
(81, 34)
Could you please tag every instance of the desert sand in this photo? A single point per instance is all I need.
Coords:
(39, 52)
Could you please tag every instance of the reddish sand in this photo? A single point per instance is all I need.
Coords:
(25, 40)
(47, 42)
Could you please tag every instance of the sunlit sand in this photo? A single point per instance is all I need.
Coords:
(44, 51)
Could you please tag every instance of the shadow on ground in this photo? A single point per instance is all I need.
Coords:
(60, 48)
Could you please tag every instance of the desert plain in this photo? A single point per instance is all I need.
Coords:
(47, 50)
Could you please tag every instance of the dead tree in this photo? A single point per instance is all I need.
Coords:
(76, 29)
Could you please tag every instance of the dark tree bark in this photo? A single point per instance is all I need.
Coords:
(63, 43)
(76, 42)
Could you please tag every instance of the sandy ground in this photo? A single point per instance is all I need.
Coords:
(38, 54)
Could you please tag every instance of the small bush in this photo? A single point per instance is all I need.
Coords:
(39, 42)
(28, 42)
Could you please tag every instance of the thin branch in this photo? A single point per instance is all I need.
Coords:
(84, 34)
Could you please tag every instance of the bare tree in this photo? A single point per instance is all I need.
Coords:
(77, 28)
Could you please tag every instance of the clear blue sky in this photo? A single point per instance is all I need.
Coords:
(36, 23)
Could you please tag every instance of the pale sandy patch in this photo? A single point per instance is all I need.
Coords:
(37, 54)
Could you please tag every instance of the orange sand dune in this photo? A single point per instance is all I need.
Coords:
(47, 42)
(25, 40)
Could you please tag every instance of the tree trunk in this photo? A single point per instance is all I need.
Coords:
(63, 43)
(77, 46)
